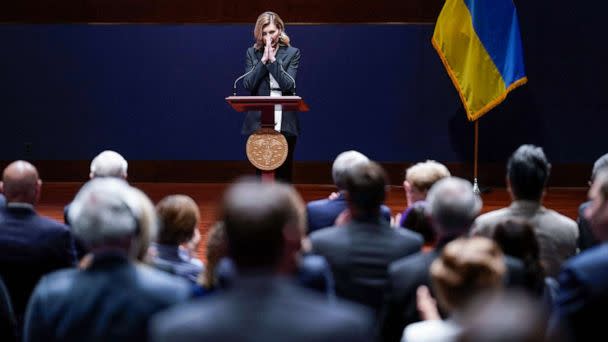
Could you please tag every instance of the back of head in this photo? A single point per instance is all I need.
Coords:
(20, 182)
(467, 268)
(217, 248)
(424, 175)
(415, 219)
(109, 164)
(453, 206)
(257, 217)
(528, 172)
(179, 216)
(105, 213)
(343, 163)
(366, 187)
(600, 164)
(517, 239)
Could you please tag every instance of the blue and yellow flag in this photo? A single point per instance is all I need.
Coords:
(480, 46)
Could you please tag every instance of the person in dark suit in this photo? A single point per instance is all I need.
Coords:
(452, 208)
(583, 290)
(271, 66)
(360, 251)
(106, 164)
(111, 297)
(31, 245)
(323, 213)
(263, 225)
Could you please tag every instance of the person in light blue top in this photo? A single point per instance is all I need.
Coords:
(179, 217)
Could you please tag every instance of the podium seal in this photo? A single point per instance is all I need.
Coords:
(267, 149)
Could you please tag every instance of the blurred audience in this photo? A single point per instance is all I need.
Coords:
(264, 238)
(106, 164)
(452, 207)
(324, 213)
(31, 245)
(179, 218)
(419, 179)
(360, 251)
(583, 281)
(467, 268)
(216, 275)
(516, 238)
(111, 297)
(527, 175)
(586, 239)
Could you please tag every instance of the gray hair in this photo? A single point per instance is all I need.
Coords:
(599, 164)
(106, 209)
(453, 205)
(344, 162)
(109, 164)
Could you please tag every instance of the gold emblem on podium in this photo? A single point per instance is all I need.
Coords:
(267, 149)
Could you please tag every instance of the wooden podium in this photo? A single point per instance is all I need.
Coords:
(266, 105)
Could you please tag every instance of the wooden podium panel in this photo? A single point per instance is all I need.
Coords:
(266, 105)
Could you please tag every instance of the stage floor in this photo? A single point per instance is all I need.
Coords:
(55, 195)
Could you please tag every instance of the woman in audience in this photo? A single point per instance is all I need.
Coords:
(416, 219)
(466, 268)
(179, 217)
(216, 253)
(517, 239)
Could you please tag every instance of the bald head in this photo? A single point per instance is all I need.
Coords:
(20, 182)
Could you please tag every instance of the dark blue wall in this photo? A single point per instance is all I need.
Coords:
(157, 92)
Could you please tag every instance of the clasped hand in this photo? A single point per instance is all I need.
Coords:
(270, 52)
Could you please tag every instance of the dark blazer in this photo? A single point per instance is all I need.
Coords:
(359, 254)
(582, 297)
(406, 275)
(31, 246)
(323, 213)
(112, 300)
(2, 200)
(263, 308)
(284, 70)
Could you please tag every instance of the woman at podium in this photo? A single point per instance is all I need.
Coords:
(271, 65)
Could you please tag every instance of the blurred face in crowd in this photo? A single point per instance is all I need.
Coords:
(597, 212)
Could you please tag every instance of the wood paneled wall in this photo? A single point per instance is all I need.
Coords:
(217, 11)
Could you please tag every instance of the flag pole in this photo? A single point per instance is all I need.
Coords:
(475, 156)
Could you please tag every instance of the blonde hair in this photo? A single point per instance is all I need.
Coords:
(424, 175)
(466, 268)
(264, 20)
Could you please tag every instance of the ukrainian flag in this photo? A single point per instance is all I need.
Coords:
(480, 46)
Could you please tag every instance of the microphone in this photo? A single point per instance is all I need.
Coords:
(292, 79)
(241, 77)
